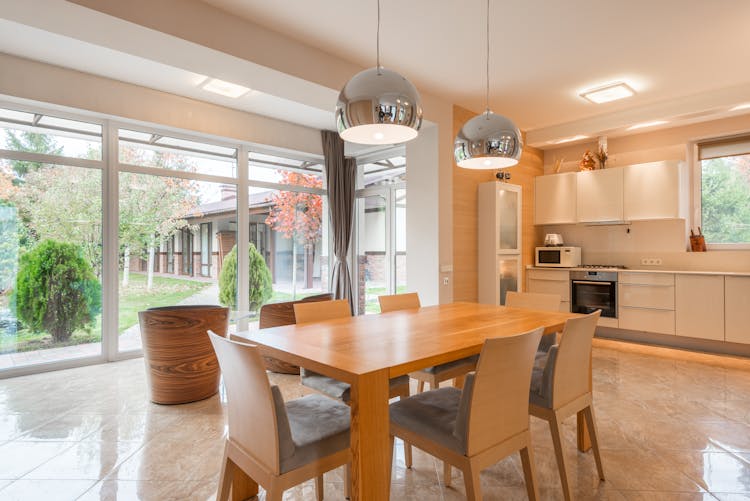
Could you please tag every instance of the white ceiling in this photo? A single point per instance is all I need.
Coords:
(685, 58)
(542, 52)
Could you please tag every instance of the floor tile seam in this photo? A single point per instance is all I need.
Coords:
(100, 478)
(44, 423)
(62, 451)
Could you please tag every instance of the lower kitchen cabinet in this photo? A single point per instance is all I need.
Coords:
(646, 320)
(737, 309)
(550, 282)
(699, 306)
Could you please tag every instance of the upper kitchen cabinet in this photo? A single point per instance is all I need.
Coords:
(655, 190)
(555, 199)
(599, 196)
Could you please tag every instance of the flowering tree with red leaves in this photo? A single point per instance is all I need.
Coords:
(298, 215)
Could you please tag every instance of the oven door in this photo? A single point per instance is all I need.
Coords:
(587, 296)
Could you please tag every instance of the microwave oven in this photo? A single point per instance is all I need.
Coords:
(558, 257)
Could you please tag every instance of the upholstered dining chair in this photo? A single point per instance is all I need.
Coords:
(435, 375)
(487, 420)
(278, 314)
(561, 387)
(536, 301)
(276, 444)
(321, 311)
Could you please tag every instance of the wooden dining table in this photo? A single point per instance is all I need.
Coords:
(366, 351)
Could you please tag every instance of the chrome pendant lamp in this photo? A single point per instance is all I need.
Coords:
(488, 141)
(378, 106)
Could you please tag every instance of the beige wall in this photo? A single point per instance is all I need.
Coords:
(649, 239)
(465, 182)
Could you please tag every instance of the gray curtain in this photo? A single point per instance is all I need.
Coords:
(341, 174)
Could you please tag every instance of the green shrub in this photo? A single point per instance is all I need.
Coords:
(56, 290)
(259, 284)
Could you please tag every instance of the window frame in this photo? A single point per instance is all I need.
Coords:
(696, 195)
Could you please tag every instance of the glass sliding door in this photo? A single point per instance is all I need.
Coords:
(176, 222)
(50, 240)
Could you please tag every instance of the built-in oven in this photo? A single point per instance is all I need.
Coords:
(594, 290)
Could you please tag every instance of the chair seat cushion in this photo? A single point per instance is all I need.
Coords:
(540, 393)
(319, 427)
(469, 362)
(431, 414)
(338, 389)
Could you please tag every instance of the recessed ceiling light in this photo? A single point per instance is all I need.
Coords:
(647, 124)
(745, 106)
(223, 88)
(607, 93)
(569, 139)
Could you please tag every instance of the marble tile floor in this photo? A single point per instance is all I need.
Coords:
(673, 425)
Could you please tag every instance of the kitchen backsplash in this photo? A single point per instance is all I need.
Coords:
(629, 244)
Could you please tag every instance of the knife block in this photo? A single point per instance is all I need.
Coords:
(697, 243)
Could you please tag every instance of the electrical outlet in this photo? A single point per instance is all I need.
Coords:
(651, 261)
(445, 280)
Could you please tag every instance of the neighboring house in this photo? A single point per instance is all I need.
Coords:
(201, 253)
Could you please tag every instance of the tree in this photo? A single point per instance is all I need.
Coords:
(259, 284)
(57, 290)
(725, 203)
(153, 208)
(298, 216)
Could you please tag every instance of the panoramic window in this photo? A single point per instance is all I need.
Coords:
(50, 239)
(381, 231)
(177, 235)
(725, 190)
(287, 226)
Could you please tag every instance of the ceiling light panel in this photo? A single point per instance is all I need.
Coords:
(223, 88)
(739, 107)
(608, 93)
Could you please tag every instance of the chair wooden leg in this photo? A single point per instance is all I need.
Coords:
(390, 459)
(225, 479)
(591, 422)
(407, 454)
(447, 473)
(458, 382)
(527, 459)
(348, 480)
(420, 386)
(274, 494)
(319, 487)
(472, 483)
(554, 426)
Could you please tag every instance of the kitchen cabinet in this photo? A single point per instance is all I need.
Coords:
(699, 305)
(555, 198)
(647, 302)
(599, 196)
(550, 282)
(655, 190)
(737, 309)
(499, 241)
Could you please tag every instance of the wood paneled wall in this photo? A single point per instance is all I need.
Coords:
(465, 184)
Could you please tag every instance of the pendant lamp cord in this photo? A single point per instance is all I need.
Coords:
(378, 40)
(487, 69)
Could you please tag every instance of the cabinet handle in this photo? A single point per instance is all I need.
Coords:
(644, 308)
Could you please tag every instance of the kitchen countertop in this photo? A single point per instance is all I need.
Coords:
(638, 270)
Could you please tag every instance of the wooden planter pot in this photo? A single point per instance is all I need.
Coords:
(181, 365)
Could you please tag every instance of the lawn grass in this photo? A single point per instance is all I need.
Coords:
(165, 292)
(132, 299)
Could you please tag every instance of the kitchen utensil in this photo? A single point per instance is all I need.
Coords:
(553, 240)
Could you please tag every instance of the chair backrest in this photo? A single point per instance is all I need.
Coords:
(495, 400)
(572, 370)
(277, 314)
(252, 418)
(533, 300)
(408, 301)
(321, 311)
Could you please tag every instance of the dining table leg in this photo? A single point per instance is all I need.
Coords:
(370, 437)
